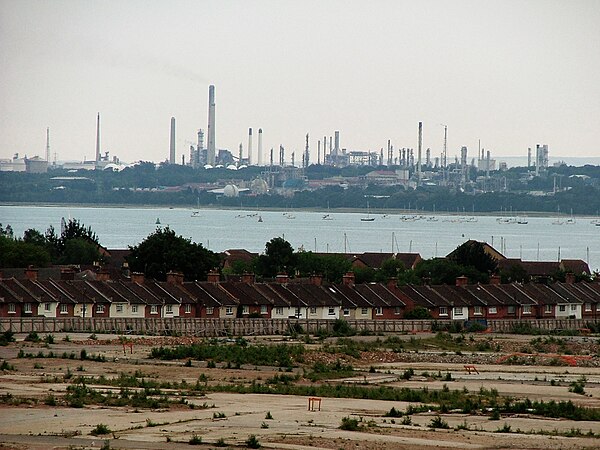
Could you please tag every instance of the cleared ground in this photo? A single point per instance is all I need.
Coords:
(228, 419)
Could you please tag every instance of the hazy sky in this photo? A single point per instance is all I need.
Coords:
(511, 73)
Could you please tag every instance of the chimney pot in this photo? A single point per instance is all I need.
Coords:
(248, 278)
(213, 276)
(348, 279)
(316, 279)
(462, 281)
(137, 277)
(282, 278)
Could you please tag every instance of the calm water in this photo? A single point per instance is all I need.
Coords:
(224, 229)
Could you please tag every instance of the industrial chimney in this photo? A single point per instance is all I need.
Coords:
(419, 151)
(260, 161)
(211, 150)
(98, 139)
(249, 146)
(172, 142)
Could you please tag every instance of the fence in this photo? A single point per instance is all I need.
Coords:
(250, 327)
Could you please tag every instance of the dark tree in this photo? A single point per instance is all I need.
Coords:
(164, 251)
(390, 268)
(332, 267)
(79, 251)
(279, 257)
(472, 253)
(443, 271)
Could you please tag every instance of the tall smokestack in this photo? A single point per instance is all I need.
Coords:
(249, 146)
(529, 157)
(419, 151)
(336, 149)
(98, 139)
(319, 151)
(172, 142)
(260, 161)
(211, 150)
(48, 145)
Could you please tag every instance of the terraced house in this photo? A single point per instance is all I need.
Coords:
(138, 297)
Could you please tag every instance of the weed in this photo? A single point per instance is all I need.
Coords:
(7, 337)
(349, 424)
(220, 443)
(33, 337)
(252, 442)
(264, 425)
(406, 420)
(49, 339)
(195, 440)
(268, 416)
(438, 422)
(506, 428)
(6, 366)
(100, 429)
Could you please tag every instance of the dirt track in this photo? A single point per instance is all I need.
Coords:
(292, 426)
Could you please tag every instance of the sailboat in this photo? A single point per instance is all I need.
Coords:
(571, 220)
(368, 218)
(328, 215)
(558, 220)
(196, 213)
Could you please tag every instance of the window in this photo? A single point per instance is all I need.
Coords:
(245, 309)
(443, 311)
(331, 311)
(346, 311)
(46, 306)
(588, 306)
(169, 309)
(573, 307)
(263, 309)
(492, 310)
(397, 310)
(188, 308)
(548, 309)
(364, 311)
(379, 311)
(27, 308)
(64, 308)
(100, 309)
(120, 308)
(229, 310)
(279, 311)
(478, 310)
(562, 308)
(154, 309)
(313, 310)
(597, 306)
(458, 311)
(12, 309)
(209, 310)
(526, 309)
(134, 308)
(511, 309)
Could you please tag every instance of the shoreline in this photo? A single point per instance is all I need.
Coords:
(379, 211)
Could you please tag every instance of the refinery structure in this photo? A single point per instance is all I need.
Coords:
(394, 164)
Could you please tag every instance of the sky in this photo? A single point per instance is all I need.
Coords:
(510, 73)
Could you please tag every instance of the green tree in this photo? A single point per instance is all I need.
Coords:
(390, 268)
(332, 267)
(164, 251)
(16, 253)
(472, 253)
(443, 271)
(279, 257)
(79, 251)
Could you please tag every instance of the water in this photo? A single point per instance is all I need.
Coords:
(224, 229)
